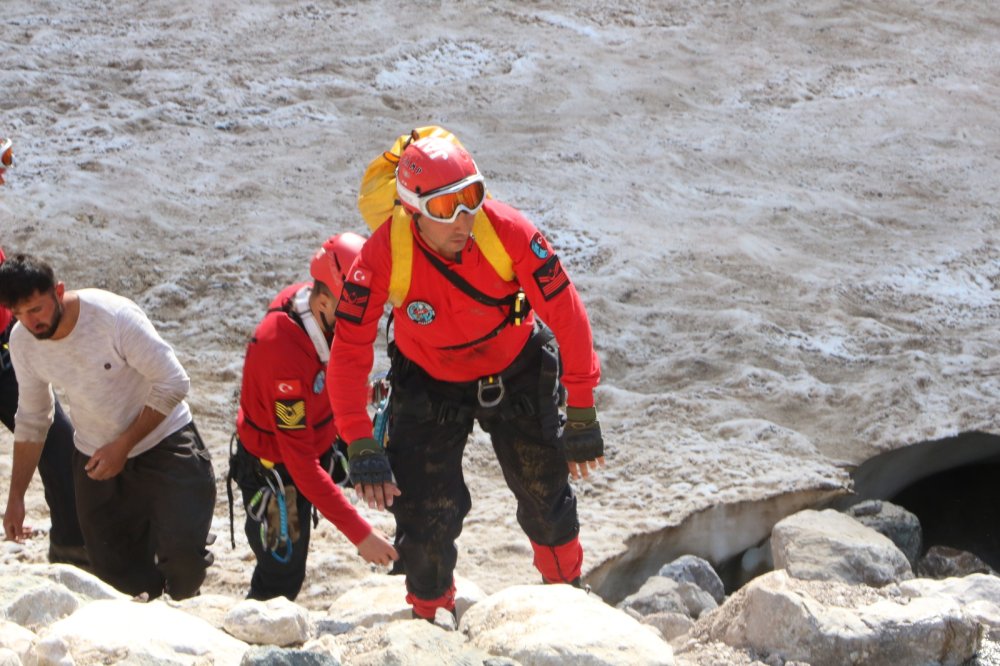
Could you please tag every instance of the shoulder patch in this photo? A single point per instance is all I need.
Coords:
(353, 302)
(550, 278)
(539, 247)
(290, 414)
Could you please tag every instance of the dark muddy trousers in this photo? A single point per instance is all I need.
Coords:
(272, 577)
(55, 467)
(430, 424)
(146, 528)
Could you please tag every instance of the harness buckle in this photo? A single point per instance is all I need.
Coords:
(520, 308)
(487, 384)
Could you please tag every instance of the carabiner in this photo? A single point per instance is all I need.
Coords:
(491, 383)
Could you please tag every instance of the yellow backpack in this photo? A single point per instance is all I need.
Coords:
(377, 202)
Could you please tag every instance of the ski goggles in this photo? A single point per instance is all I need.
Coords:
(6, 153)
(446, 203)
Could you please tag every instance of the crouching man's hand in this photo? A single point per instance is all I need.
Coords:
(377, 549)
(582, 441)
(370, 473)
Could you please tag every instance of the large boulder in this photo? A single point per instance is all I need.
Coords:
(553, 625)
(378, 599)
(109, 631)
(829, 545)
(835, 623)
(978, 595)
(36, 595)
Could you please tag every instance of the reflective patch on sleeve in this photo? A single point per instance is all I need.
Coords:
(290, 414)
(550, 278)
(353, 302)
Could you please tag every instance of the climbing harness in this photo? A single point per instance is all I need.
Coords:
(272, 493)
(380, 391)
(258, 511)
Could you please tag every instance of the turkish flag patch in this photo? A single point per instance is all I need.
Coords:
(550, 278)
(353, 302)
(290, 414)
(288, 388)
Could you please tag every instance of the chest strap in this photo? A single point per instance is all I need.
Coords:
(518, 304)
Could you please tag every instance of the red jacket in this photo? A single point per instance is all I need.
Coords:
(285, 414)
(437, 314)
(5, 315)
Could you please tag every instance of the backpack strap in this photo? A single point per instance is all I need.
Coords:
(401, 240)
(492, 248)
(517, 303)
(462, 284)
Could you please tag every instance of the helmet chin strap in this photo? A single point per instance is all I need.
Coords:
(327, 326)
(301, 305)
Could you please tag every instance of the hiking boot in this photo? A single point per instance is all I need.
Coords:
(576, 582)
(75, 555)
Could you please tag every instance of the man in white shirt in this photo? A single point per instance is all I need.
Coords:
(145, 487)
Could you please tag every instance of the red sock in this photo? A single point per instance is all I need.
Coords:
(559, 564)
(426, 608)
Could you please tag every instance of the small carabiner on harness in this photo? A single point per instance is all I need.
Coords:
(494, 384)
(338, 461)
(272, 497)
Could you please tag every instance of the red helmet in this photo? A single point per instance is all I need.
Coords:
(439, 179)
(331, 262)
(6, 156)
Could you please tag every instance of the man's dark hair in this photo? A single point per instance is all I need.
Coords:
(22, 276)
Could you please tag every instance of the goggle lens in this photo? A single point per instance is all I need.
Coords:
(7, 156)
(444, 206)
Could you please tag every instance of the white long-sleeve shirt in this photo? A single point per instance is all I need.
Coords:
(111, 365)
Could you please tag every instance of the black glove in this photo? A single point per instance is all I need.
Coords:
(582, 440)
(367, 463)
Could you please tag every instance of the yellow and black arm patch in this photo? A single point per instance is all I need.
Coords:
(290, 414)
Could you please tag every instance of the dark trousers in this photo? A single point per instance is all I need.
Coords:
(430, 424)
(146, 529)
(271, 577)
(55, 467)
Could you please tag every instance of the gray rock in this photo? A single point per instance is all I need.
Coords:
(670, 625)
(414, 643)
(693, 569)
(41, 605)
(894, 522)
(977, 594)
(944, 562)
(829, 545)
(666, 595)
(275, 656)
(273, 622)
(835, 623)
